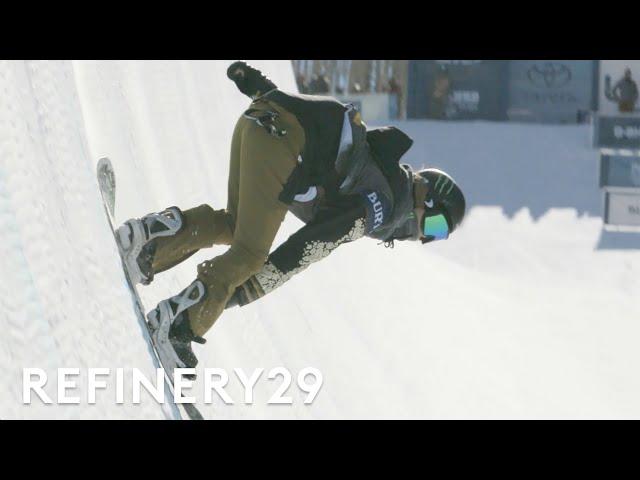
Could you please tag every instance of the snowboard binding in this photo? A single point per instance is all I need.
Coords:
(171, 332)
(136, 239)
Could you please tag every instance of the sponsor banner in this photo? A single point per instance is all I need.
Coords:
(551, 90)
(616, 132)
(619, 171)
(622, 209)
(457, 89)
(610, 89)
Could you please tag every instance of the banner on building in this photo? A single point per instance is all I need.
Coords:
(617, 84)
(457, 89)
(551, 90)
(616, 132)
(619, 171)
(622, 209)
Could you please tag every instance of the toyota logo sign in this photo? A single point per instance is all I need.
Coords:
(549, 75)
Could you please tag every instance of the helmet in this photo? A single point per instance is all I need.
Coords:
(443, 192)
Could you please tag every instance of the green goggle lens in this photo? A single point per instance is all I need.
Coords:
(435, 227)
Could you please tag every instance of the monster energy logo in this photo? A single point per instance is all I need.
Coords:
(441, 184)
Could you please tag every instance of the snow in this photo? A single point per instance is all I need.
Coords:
(529, 311)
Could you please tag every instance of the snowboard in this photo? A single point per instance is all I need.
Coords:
(107, 184)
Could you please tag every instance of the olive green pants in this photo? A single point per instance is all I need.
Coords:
(260, 166)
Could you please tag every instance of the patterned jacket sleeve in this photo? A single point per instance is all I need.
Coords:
(339, 222)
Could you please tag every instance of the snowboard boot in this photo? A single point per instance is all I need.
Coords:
(137, 241)
(171, 332)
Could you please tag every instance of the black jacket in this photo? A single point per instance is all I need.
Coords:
(366, 189)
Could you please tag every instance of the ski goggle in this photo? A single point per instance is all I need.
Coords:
(435, 227)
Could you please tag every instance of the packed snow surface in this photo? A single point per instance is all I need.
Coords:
(529, 311)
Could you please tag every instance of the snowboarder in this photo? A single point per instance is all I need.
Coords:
(309, 155)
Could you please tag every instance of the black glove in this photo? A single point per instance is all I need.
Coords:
(249, 80)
